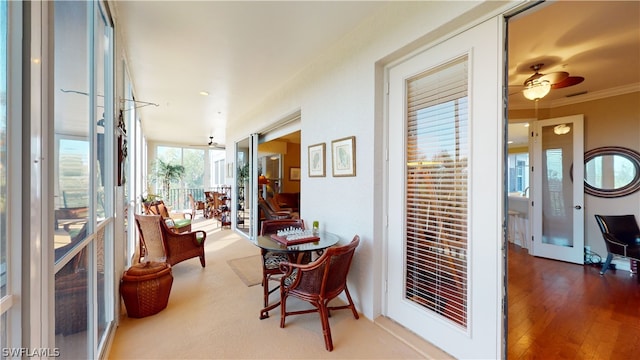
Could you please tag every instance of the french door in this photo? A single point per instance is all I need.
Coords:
(558, 215)
(444, 245)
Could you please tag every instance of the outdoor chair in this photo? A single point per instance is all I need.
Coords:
(622, 237)
(196, 206)
(318, 283)
(271, 260)
(159, 243)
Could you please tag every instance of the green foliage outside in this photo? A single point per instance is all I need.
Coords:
(166, 174)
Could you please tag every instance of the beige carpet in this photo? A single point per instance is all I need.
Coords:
(212, 315)
(248, 269)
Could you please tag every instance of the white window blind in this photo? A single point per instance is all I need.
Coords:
(436, 183)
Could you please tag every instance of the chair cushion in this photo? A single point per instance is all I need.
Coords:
(291, 278)
(272, 260)
(181, 222)
(199, 237)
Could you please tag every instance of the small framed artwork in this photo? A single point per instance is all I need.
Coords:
(343, 156)
(317, 159)
(294, 174)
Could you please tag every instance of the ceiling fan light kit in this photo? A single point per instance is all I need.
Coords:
(536, 90)
(538, 85)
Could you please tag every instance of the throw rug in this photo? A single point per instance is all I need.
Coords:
(248, 269)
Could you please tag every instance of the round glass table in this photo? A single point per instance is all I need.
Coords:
(326, 239)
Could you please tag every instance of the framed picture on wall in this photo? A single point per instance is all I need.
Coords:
(343, 156)
(317, 159)
(294, 174)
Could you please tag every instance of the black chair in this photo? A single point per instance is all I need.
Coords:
(622, 237)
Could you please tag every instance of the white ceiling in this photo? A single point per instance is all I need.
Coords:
(239, 52)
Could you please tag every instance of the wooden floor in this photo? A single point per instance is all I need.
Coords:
(558, 310)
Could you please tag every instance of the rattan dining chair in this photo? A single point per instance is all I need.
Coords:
(271, 260)
(318, 283)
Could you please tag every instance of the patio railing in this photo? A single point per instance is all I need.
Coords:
(179, 198)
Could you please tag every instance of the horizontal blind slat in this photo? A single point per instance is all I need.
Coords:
(436, 190)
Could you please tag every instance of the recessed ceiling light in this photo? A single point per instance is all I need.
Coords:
(204, 93)
(526, 125)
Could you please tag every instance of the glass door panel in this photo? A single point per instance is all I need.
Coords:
(558, 232)
(73, 104)
(246, 186)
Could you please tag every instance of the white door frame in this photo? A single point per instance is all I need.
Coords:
(483, 337)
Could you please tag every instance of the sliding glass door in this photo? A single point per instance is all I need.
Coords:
(246, 186)
(83, 180)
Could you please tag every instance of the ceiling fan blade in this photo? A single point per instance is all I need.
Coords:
(554, 77)
(569, 81)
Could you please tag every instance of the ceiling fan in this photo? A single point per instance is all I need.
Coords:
(212, 145)
(538, 85)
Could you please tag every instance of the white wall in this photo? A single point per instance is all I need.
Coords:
(340, 95)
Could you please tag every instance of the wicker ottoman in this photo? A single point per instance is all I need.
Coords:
(145, 288)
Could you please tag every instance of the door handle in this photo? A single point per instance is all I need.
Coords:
(578, 207)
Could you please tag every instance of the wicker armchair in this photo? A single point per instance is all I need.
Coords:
(318, 283)
(177, 222)
(271, 260)
(157, 241)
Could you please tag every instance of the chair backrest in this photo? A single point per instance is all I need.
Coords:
(332, 267)
(195, 205)
(156, 208)
(272, 226)
(268, 212)
(150, 234)
(273, 204)
(622, 227)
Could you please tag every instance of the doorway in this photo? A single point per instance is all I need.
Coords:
(557, 48)
(558, 220)
(268, 167)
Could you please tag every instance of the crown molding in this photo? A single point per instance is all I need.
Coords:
(590, 96)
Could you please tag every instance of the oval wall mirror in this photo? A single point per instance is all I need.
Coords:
(611, 171)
